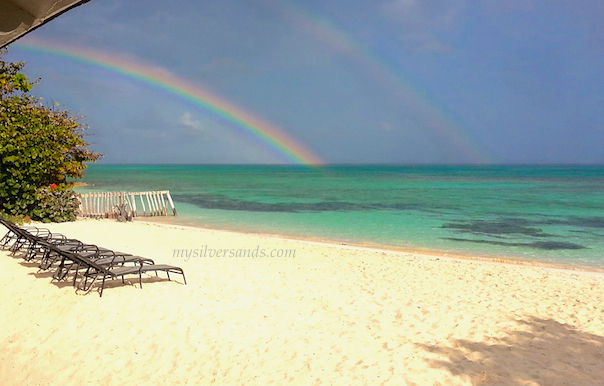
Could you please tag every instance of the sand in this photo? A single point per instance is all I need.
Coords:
(332, 315)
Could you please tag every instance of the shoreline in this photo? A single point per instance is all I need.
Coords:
(382, 248)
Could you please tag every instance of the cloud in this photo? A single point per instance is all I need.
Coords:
(186, 120)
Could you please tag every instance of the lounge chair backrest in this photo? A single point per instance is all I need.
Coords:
(77, 258)
(10, 225)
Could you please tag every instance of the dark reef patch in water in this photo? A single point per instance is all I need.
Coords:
(227, 203)
(585, 222)
(509, 226)
(537, 219)
(544, 245)
(587, 233)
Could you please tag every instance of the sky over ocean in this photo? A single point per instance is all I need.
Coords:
(398, 81)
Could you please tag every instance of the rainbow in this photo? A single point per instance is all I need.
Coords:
(281, 144)
(446, 131)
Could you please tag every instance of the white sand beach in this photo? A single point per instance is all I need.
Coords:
(332, 315)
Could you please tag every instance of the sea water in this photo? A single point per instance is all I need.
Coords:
(547, 214)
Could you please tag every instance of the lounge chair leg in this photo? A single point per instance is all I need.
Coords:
(43, 259)
(183, 276)
(140, 279)
(59, 274)
(75, 274)
(167, 273)
(102, 286)
(28, 254)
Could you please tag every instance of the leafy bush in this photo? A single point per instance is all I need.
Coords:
(19, 220)
(56, 205)
(39, 149)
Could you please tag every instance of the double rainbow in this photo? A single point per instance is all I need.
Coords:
(281, 144)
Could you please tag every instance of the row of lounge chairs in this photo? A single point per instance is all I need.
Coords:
(88, 261)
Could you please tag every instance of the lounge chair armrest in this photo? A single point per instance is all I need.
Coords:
(103, 252)
(39, 232)
(87, 248)
(56, 238)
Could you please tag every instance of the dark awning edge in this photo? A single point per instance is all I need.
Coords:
(38, 22)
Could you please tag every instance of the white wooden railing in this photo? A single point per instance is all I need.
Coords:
(103, 204)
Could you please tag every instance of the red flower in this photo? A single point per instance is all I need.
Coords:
(53, 186)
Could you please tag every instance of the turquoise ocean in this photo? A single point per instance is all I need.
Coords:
(543, 214)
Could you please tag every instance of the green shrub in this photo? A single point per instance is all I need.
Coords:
(56, 205)
(39, 149)
(19, 220)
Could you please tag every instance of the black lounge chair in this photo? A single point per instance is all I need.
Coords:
(37, 245)
(100, 263)
(14, 231)
(95, 271)
(87, 250)
(21, 236)
(102, 257)
(12, 234)
(30, 237)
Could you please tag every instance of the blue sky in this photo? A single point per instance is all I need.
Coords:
(397, 81)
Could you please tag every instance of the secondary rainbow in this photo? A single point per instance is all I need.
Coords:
(443, 128)
(162, 79)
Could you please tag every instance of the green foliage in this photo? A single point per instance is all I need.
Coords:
(56, 205)
(39, 148)
(19, 220)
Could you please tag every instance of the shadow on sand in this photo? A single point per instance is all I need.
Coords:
(537, 352)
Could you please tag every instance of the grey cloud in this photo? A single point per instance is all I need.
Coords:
(186, 120)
